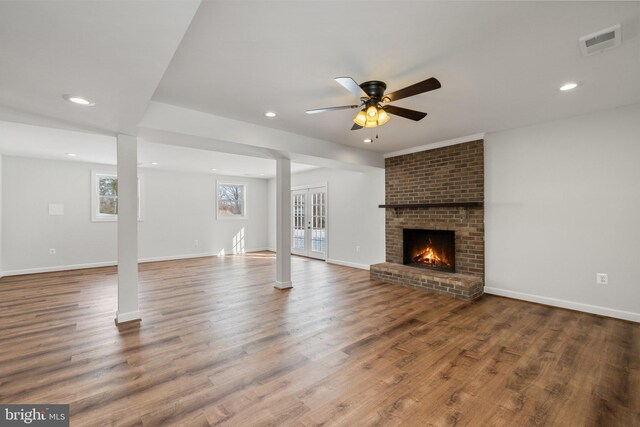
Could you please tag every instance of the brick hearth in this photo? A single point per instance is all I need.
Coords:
(457, 285)
(450, 174)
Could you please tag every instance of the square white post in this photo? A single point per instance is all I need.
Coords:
(127, 229)
(283, 224)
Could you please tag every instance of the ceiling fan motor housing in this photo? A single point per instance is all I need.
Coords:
(374, 88)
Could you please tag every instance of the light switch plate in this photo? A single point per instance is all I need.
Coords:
(56, 209)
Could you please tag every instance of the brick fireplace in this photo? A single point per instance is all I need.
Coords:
(432, 249)
(441, 192)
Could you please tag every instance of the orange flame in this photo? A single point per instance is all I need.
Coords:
(429, 256)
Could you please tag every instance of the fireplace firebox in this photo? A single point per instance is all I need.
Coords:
(434, 249)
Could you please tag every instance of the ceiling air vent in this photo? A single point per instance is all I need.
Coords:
(601, 40)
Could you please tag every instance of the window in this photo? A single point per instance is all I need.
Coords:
(104, 196)
(232, 200)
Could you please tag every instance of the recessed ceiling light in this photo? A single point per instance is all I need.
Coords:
(368, 141)
(568, 86)
(79, 100)
(154, 163)
(213, 169)
(71, 154)
(261, 174)
(270, 114)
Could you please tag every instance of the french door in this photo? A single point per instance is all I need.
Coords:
(309, 222)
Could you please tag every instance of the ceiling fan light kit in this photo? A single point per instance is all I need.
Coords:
(372, 97)
(361, 118)
(383, 117)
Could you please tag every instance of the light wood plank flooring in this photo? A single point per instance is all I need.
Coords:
(218, 345)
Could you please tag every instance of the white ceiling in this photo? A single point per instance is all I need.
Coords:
(35, 141)
(113, 52)
(500, 64)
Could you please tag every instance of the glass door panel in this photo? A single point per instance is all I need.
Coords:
(309, 222)
(318, 223)
(298, 222)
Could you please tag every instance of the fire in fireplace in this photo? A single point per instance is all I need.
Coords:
(435, 249)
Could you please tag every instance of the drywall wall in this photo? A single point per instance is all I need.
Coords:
(562, 204)
(179, 208)
(1, 273)
(354, 217)
(182, 205)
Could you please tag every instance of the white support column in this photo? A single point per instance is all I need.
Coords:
(127, 229)
(283, 224)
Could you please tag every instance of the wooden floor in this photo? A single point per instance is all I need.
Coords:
(218, 345)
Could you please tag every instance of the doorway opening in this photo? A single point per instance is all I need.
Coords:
(309, 222)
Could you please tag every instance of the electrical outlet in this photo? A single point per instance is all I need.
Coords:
(196, 243)
(52, 251)
(357, 248)
(602, 278)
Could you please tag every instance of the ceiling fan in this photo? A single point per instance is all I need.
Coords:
(372, 98)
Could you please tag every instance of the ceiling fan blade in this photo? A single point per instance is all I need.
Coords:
(322, 110)
(349, 84)
(414, 89)
(356, 127)
(404, 112)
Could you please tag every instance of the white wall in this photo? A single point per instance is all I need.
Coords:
(354, 217)
(1, 273)
(562, 204)
(179, 208)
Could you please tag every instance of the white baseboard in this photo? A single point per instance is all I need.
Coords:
(127, 317)
(58, 268)
(348, 264)
(258, 249)
(571, 305)
(112, 263)
(283, 285)
(174, 257)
